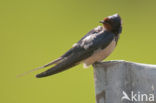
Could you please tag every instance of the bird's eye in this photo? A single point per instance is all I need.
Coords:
(112, 21)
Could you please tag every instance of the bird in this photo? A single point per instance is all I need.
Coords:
(94, 47)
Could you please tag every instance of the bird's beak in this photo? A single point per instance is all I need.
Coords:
(102, 21)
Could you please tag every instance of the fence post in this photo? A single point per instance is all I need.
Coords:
(124, 82)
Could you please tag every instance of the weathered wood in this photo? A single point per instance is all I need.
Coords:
(115, 79)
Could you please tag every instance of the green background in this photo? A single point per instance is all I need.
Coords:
(34, 32)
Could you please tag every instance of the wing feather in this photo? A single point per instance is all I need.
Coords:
(81, 51)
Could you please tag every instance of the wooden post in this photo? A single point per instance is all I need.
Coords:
(125, 82)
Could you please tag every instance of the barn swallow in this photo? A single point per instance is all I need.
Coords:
(94, 47)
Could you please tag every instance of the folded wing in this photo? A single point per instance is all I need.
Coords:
(82, 50)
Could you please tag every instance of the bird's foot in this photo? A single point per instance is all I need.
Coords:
(96, 63)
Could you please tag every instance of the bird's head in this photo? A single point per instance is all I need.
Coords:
(113, 23)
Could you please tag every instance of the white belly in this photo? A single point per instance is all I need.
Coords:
(100, 54)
